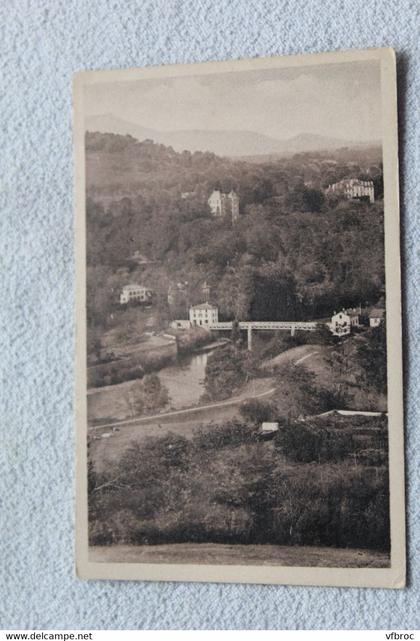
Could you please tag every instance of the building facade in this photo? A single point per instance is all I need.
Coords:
(224, 204)
(136, 293)
(203, 315)
(181, 324)
(376, 316)
(342, 322)
(353, 188)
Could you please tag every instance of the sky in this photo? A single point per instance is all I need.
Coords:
(335, 100)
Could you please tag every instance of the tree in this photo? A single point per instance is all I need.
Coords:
(344, 371)
(256, 412)
(313, 199)
(155, 395)
(263, 189)
(235, 293)
(224, 373)
(371, 355)
(146, 395)
(275, 294)
(303, 198)
(296, 391)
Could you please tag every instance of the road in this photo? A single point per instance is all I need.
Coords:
(295, 355)
(189, 410)
(303, 358)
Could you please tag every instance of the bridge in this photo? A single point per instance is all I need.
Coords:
(249, 326)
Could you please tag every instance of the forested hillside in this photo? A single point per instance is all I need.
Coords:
(293, 254)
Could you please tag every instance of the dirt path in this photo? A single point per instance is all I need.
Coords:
(303, 358)
(295, 355)
(217, 553)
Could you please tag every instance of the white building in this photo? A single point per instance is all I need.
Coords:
(204, 315)
(354, 188)
(181, 324)
(342, 322)
(376, 316)
(224, 204)
(269, 427)
(135, 292)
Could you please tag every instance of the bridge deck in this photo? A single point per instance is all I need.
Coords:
(287, 325)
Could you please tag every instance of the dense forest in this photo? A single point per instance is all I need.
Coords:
(294, 253)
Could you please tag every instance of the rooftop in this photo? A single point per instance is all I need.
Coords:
(132, 286)
(204, 306)
(376, 312)
(268, 426)
(355, 181)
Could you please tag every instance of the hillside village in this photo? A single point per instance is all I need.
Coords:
(254, 255)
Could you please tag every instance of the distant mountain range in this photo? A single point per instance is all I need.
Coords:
(222, 143)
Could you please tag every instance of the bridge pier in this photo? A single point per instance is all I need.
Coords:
(249, 338)
(292, 330)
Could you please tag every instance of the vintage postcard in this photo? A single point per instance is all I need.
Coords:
(238, 368)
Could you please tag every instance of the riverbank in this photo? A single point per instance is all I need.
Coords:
(211, 346)
(131, 362)
(183, 377)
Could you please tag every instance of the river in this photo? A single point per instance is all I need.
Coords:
(185, 380)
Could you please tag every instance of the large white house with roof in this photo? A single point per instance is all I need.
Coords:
(224, 204)
(342, 322)
(133, 292)
(203, 315)
(353, 188)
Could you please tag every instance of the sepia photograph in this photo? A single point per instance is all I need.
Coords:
(239, 386)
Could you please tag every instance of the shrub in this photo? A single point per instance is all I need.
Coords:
(256, 412)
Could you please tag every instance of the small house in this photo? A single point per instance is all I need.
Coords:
(376, 316)
(354, 313)
(181, 324)
(268, 429)
(342, 322)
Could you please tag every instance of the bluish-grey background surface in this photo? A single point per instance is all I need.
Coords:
(42, 43)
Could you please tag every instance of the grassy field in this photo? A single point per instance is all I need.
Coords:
(214, 553)
(111, 449)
